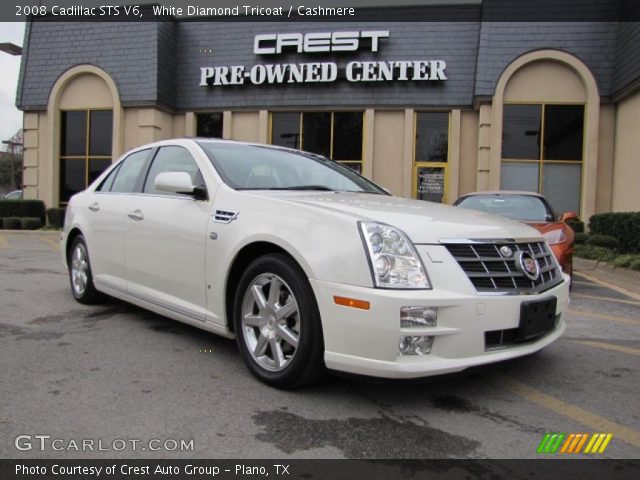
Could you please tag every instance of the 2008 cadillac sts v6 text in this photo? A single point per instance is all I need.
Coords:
(310, 265)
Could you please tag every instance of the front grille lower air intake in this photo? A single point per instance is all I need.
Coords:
(491, 271)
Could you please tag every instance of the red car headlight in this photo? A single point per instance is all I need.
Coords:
(553, 237)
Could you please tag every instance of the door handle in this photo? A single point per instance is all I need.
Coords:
(136, 215)
(94, 207)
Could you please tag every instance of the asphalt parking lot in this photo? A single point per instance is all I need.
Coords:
(114, 371)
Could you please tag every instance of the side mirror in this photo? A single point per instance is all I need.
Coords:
(568, 216)
(180, 183)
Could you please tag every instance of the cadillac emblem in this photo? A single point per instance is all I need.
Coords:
(527, 265)
(506, 251)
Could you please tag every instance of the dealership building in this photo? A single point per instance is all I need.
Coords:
(427, 109)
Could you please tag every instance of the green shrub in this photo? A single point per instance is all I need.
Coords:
(624, 261)
(581, 238)
(11, 223)
(577, 226)
(593, 252)
(55, 216)
(606, 241)
(625, 226)
(23, 208)
(30, 223)
(635, 265)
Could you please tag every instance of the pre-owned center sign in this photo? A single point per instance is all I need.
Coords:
(311, 72)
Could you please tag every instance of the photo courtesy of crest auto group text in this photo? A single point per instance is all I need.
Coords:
(333, 240)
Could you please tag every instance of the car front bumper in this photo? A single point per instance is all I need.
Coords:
(366, 342)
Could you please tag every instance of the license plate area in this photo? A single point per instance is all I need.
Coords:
(537, 317)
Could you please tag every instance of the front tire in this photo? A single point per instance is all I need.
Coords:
(277, 323)
(80, 275)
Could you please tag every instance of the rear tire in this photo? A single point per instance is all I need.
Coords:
(277, 323)
(80, 275)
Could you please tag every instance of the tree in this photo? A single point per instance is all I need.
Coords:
(11, 163)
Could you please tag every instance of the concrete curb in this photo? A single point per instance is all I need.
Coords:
(620, 277)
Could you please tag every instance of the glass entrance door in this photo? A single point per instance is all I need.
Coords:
(430, 182)
(430, 178)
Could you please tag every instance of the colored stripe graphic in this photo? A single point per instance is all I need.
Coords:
(577, 442)
(551, 442)
(574, 442)
(598, 443)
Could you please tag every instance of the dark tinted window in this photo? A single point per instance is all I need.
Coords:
(74, 133)
(563, 132)
(85, 137)
(521, 131)
(285, 129)
(100, 132)
(129, 172)
(172, 159)
(96, 167)
(316, 133)
(432, 137)
(72, 177)
(347, 136)
(209, 125)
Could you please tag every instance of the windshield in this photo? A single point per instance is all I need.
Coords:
(256, 167)
(525, 208)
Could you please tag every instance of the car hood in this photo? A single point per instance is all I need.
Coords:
(424, 222)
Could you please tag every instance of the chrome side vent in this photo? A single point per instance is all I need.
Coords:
(224, 216)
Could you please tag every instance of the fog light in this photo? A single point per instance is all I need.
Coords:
(411, 317)
(415, 345)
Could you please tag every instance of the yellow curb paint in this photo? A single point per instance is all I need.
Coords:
(3, 242)
(608, 346)
(608, 299)
(618, 289)
(602, 316)
(580, 415)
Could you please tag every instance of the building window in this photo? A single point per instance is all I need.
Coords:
(209, 125)
(542, 150)
(85, 149)
(431, 156)
(335, 135)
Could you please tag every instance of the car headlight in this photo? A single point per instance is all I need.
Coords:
(553, 237)
(393, 260)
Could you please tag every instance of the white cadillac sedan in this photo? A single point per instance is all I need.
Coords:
(309, 265)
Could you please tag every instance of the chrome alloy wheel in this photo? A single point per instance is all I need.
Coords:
(270, 322)
(79, 269)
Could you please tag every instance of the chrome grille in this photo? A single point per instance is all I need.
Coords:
(490, 272)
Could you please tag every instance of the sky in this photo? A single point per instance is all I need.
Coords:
(10, 116)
